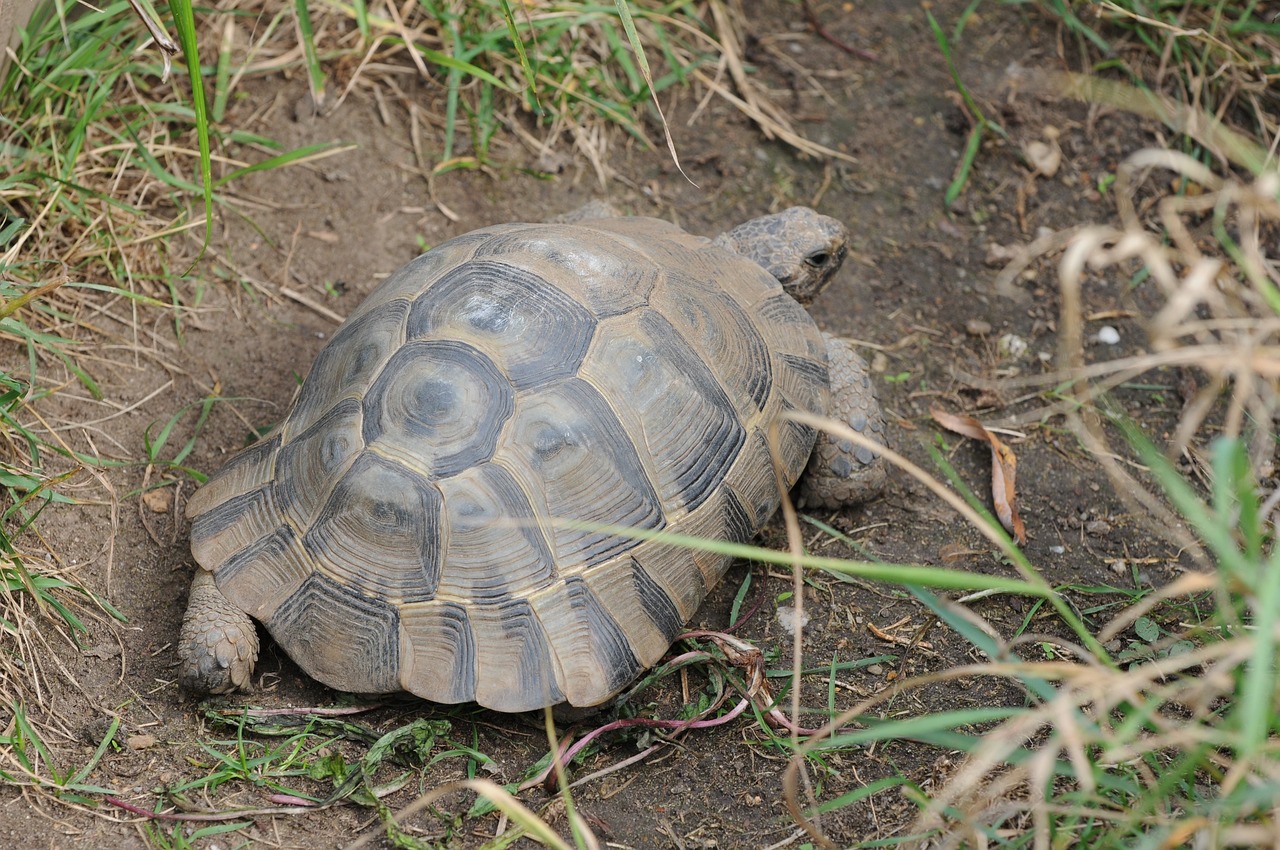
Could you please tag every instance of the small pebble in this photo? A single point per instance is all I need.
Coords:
(1012, 345)
(140, 742)
(977, 327)
(1046, 159)
(1058, 550)
(1098, 527)
(875, 669)
(1108, 335)
(998, 255)
(158, 501)
(788, 619)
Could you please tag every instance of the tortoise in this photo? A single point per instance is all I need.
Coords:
(433, 513)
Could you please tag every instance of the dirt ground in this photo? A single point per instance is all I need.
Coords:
(917, 291)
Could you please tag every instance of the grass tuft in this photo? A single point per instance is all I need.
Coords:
(1220, 58)
(545, 74)
(1169, 741)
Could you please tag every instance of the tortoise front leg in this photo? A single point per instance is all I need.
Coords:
(218, 645)
(839, 473)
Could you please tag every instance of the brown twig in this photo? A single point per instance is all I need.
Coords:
(822, 32)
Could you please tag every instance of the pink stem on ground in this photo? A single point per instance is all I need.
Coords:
(776, 719)
(824, 34)
(290, 800)
(673, 725)
(742, 618)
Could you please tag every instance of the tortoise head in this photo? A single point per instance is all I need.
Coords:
(801, 248)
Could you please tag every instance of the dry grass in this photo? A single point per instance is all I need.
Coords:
(555, 76)
(104, 201)
(1220, 321)
(1218, 59)
(1177, 748)
(1202, 240)
(101, 220)
(80, 211)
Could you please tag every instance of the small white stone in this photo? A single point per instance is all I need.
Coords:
(1058, 550)
(1012, 345)
(1044, 158)
(1108, 335)
(791, 620)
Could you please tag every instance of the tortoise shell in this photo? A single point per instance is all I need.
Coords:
(428, 515)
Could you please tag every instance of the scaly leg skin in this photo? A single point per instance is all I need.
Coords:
(218, 645)
(840, 473)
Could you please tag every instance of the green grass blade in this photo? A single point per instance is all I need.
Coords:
(937, 729)
(462, 66)
(971, 147)
(285, 159)
(1213, 528)
(107, 739)
(637, 47)
(944, 45)
(861, 793)
(361, 9)
(530, 75)
(315, 74)
(184, 20)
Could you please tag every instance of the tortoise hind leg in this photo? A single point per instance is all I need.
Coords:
(218, 645)
(840, 473)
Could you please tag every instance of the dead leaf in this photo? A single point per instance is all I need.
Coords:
(158, 501)
(949, 553)
(1004, 468)
(1111, 314)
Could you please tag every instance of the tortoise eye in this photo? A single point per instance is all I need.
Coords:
(818, 259)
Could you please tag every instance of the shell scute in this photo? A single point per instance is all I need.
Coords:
(340, 636)
(608, 277)
(440, 650)
(594, 659)
(578, 463)
(437, 408)
(379, 532)
(306, 465)
(676, 406)
(514, 667)
(536, 333)
(345, 366)
(495, 547)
